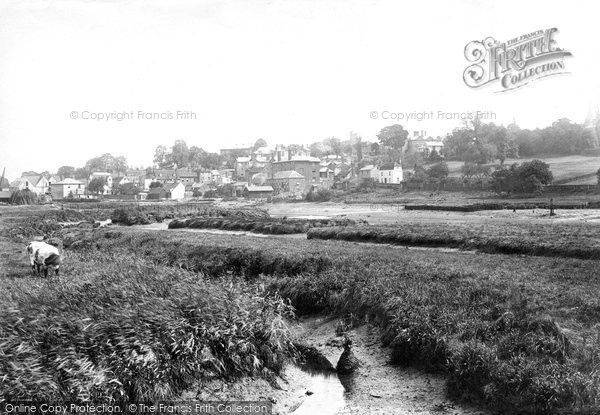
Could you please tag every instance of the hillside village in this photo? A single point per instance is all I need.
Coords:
(253, 171)
(399, 159)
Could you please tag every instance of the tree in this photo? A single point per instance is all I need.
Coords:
(438, 171)
(180, 154)
(536, 168)
(154, 185)
(434, 156)
(530, 177)
(107, 163)
(261, 142)
(81, 173)
(128, 189)
(316, 150)
(66, 171)
(359, 149)
(162, 158)
(412, 157)
(335, 145)
(393, 136)
(96, 185)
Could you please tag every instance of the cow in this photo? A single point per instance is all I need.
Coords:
(43, 256)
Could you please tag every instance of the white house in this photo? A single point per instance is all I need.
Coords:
(67, 188)
(390, 173)
(36, 183)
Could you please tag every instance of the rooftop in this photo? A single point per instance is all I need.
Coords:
(288, 174)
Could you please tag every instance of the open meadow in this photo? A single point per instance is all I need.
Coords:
(154, 314)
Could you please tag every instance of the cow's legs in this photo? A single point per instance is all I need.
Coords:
(45, 272)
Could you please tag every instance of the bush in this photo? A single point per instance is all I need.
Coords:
(319, 195)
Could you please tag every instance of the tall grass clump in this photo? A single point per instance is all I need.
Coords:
(269, 226)
(136, 332)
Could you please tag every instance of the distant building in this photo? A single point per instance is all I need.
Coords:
(68, 188)
(258, 192)
(424, 144)
(187, 176)
(369, 172)
(307, 166)
(288, 182)
(241, 166)
(171, 191)
(390, 173)
(36, 183)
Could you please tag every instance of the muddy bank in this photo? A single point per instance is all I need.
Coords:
(377, 387)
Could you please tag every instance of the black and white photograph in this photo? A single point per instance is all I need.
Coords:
(304, 207)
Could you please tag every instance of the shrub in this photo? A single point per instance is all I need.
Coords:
(318, 195)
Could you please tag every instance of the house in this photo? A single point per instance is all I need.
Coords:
(171, 191)
(368, 172)
(187, 176)
(325, 173)
(205, 176)
(241, 165)
(199, 188)
(52, 178)
(390, 173)
(426, 145)
(163, 175)
(258, 192)
(68, 188)
(120, 180)
(288, 182)
(307, 166)
(36, 183)
(5, 196)
(4, 183)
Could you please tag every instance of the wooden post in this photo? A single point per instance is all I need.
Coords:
(552, 207)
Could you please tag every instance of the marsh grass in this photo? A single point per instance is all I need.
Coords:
(134, 331)
(269, 226)
(554, 239)
(495, 324)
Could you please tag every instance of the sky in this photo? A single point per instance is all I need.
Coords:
(294, 71)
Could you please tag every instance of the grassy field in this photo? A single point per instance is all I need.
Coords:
(561, 167)
(516, 333)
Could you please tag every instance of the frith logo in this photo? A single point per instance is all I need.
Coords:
(515, 63)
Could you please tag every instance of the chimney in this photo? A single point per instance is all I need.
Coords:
(278, 155)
